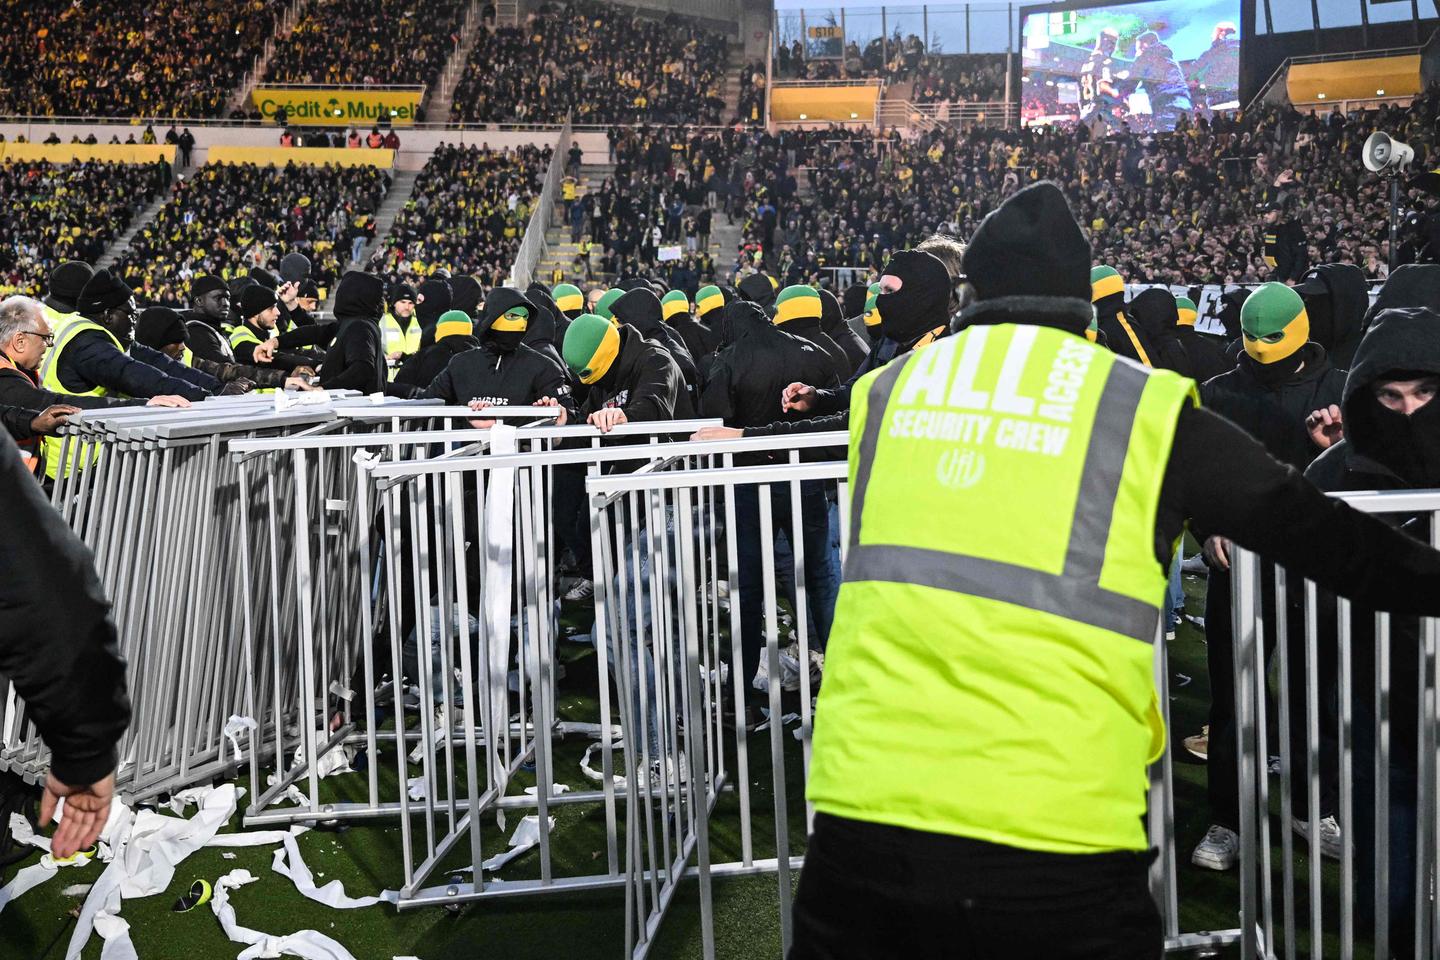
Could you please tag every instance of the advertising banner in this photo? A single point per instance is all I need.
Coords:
(341, 106)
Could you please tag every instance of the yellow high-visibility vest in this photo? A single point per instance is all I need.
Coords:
(64, 333)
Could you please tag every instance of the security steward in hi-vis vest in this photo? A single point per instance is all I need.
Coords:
(400, 328)
(988, 711)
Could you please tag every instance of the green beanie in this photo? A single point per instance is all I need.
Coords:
(453, 323)
(1105, 282)
(797, 302)
(1187, 311)
(673, 304)
(591, 345)
(568, 298)
(1274, 323)
(707, 299)
(607, 301)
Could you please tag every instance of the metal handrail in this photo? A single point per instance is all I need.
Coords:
(533, 244)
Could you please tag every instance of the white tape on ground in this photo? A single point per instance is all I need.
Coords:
(308, 944)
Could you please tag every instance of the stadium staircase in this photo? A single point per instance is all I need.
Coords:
(437, 104)
(402, 188)
(288, 20)
(121, 243)
(734, 65)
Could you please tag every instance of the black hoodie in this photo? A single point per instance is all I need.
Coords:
(832, 321)
(644, 381)
(1411, 285)
(1177, 348)
(499, 376)
(422, 367)
(356, 358)
(758, 361)
(640, 308)
(547, 326)
(1336, 297)
(1121, 336)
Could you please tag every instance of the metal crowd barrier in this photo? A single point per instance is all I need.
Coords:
(1353, 665)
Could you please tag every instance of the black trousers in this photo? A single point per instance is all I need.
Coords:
(871, 892)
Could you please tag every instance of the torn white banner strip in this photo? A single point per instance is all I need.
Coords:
(307, 944)
(598, 775)
(526, 836)
(289, 863)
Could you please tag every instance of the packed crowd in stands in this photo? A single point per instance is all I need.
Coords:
(128, 58)
(937, 77)
(50, 213)
(960, 78)
(368, 42)
(229, 218)
(467, 215)
(1177, 208)
(598, 62)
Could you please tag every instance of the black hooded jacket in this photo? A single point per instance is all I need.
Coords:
(1274, 413)
(1385, 450)
(809, 330)
(758, 361)
(1121, 336)
(1336, 297)
(1411, 285)
(644, 381)
(640, 308)
(421, 368)
(501, 377)
(832, 321)
(1177, 348)
(547, 326)
(356, 358)
(699, 339)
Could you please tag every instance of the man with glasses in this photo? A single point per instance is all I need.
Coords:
(31, 410)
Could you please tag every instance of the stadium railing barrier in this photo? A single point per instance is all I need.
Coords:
(533, 244)
(1357, 744)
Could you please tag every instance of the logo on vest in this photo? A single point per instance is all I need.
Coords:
(960, 468)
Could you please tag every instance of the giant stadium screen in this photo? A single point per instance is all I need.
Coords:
(1139, 65)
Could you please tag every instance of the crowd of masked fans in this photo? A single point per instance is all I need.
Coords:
(230, 218)
(131, 58)
(467, 214)
(50, 213)
(368, 42)
(598, 63)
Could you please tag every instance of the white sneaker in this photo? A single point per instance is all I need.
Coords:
(1219, 850)
(583, 590)
(1329, 835)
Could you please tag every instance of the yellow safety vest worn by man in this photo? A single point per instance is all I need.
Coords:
(988, 709)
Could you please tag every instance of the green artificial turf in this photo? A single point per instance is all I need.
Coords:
(367, 857)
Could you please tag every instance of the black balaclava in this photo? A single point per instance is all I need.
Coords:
(435, 299)
(506, 319)
(1401, 344)
(466, 294)
(922, 302)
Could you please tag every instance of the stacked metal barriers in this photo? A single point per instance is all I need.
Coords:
(1368, 725)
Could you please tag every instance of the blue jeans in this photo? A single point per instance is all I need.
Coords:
(822, 581)
(1175, 591)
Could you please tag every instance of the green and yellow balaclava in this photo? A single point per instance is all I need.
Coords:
(1105, 282)
(708, 299)
(569, 299)
(674, 304)
(797, 302)
(1273, 323)
(1092, 332)
(453, 323)
(602, 308)
(1187, 310)
(872, 312)
(591, 345)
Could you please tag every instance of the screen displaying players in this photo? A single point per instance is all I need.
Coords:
(1135, 65)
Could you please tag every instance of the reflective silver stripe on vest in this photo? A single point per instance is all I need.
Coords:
(1075, 593)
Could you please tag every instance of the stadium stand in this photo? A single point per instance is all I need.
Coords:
(50, 213)
(368, 42)
(598, 63)
(466, 215)
(960, 78)
(127, 58)
(229, 218)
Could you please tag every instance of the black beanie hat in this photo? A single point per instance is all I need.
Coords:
(757, 288)
(1030, 246)
(294, 267)
(255, 300)
(401, 291)
(209, 283)
(103, 291)
(158, 327)
(67, 280)
(308, 290)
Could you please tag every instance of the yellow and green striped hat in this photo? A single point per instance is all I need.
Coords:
(1187, 310)
(591, 345)
(872, 312)
(796, 302)
(674, 304)
(568, 298)
(707, 299)
(1105, 282)
(607, 301)
(453, 323)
